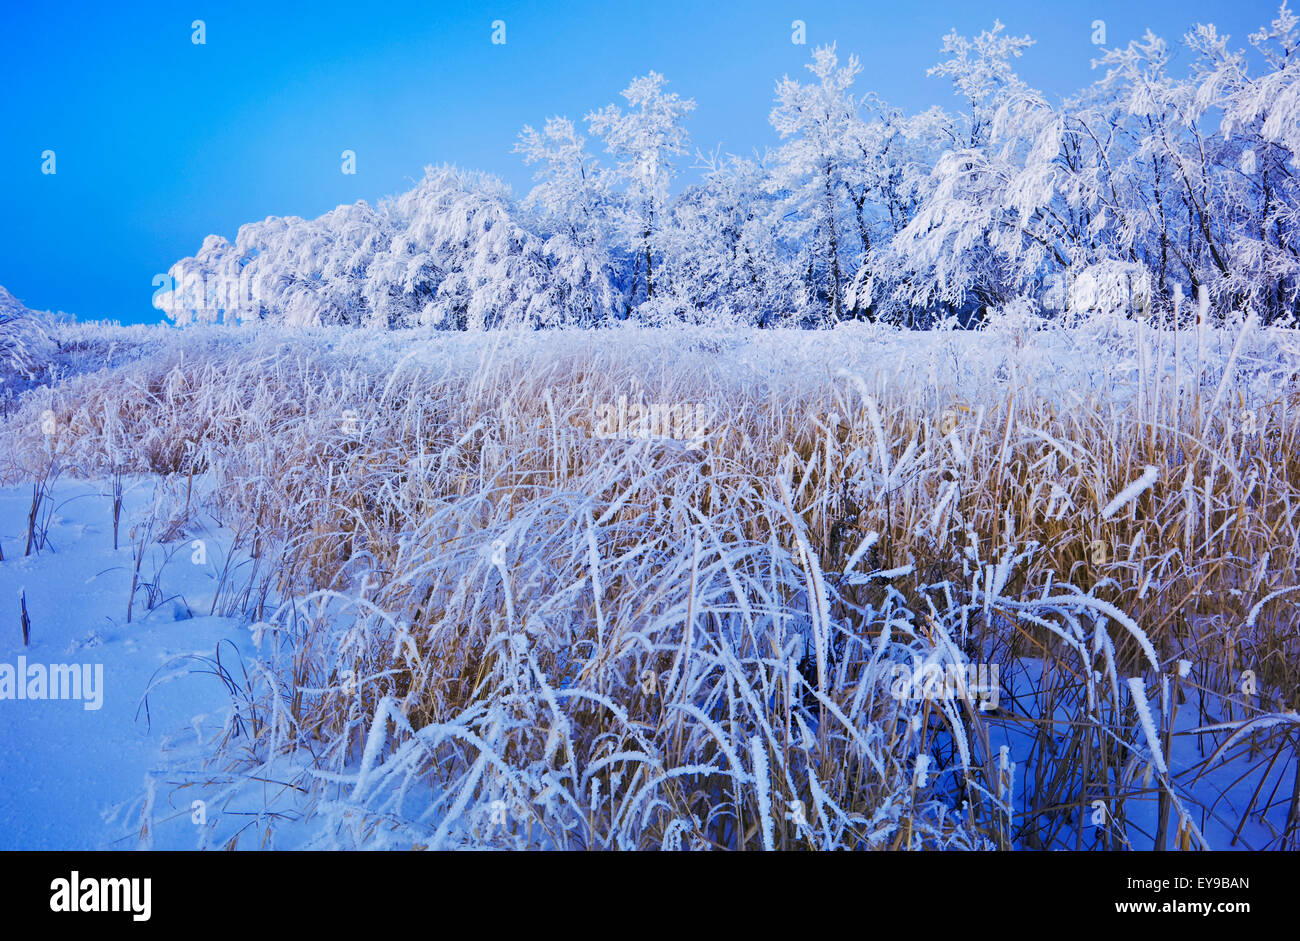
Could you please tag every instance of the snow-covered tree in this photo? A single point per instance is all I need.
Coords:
(458, 259)
(984, 228)
(897, 155)
(643, 141)
(818, 168)
(1253, 161)
(448, 253)
(573, 203)
(299, 272)
(723, 259)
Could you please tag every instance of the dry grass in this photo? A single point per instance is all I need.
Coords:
(499, 628)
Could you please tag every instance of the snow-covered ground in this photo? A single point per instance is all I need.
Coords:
(74, 773)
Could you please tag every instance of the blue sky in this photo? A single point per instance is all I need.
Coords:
(159, 142)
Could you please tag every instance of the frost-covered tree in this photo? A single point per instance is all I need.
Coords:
(978, 234)
(723, 259)
(818, 168)
(851, 174)
(643, 141)
(981, 73)
(573, 203)
(448, 253)
(1254, 159)
(458, 259)
(1198, 182)
(298, 272)
(897, 154)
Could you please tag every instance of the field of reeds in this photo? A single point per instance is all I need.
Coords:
(1032, 586)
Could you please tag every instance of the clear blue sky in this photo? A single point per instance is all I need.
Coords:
(160, 142)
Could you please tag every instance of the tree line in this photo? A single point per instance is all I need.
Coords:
(1146, 184)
